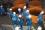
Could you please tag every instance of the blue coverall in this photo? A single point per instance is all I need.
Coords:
(21, 22)
(2, 10)
(40, 20)
(28, 20)
(14, 19)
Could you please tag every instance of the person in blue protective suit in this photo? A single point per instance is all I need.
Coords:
(21, 21)
(40, 18)
(25, 11)
(1, 10)
(27, 15)
(14, 19)
(9, 11)
(28, 22)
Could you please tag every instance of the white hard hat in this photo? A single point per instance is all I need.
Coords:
(42, 12)
(20, 16)
(29, 16)
(14, 12)
(10, 9)
(24, 7)
(19, 9)
(27, 11)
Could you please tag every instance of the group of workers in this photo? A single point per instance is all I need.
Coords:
(22, 15)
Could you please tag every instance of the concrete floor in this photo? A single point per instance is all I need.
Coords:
(5, 23)
(4, 20)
